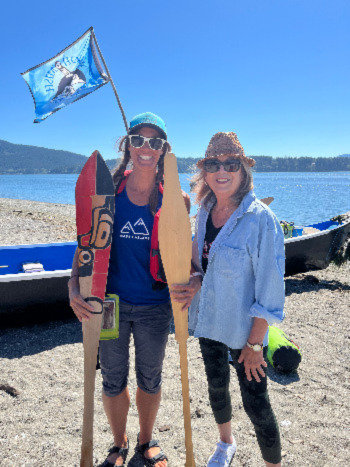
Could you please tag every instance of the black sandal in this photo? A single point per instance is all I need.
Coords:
(152, 461)
(123, 452)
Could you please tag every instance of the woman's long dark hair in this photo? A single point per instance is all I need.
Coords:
(119, 172)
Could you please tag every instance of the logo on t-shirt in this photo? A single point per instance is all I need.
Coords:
(138, 231)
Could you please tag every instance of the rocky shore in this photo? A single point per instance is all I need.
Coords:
(34, 222)
(41, 375)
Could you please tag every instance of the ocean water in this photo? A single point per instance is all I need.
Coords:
(303, 198)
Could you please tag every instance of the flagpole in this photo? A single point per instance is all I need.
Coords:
(110, 79)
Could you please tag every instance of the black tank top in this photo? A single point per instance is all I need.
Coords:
(211, 233)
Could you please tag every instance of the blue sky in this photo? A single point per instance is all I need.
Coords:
(277, 72)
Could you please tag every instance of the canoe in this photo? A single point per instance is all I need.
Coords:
(48, 269)
(316, 250)
(48, 287)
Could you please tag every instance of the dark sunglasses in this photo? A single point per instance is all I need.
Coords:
(137, 141)
(213, 165)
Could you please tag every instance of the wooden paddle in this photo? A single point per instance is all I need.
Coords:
(94, 197)
(175, 243)
(268, 200)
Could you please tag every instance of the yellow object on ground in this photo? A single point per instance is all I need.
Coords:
(283, 354)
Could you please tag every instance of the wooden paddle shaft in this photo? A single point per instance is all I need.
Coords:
(176, 251)
(186, 403)
(91, 335)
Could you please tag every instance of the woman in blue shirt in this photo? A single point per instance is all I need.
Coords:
(144, 301)
(236, 291)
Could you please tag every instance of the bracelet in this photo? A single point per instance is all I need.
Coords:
(194, 274)
(255, 347)
(74, 275)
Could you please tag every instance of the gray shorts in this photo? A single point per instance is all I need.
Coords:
(149, 325)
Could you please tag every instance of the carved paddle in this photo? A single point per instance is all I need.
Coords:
(176, 250)
(94, 199)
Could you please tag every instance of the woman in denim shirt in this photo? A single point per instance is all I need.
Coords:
(236, 291)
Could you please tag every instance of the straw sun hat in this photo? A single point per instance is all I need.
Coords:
(226, 144)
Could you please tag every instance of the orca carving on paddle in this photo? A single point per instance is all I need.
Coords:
(98, 238)
(95, 213)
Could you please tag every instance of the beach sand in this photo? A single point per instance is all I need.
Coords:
(41, 375)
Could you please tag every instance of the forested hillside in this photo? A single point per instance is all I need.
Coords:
(18, 158)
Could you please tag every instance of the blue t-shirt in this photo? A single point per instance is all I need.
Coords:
(129, 273)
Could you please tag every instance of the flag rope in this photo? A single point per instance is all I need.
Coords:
(110, 78)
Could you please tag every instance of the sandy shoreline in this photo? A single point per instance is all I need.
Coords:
(34, 222)
(40, 424)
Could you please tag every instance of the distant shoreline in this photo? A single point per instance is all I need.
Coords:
(190, 172)
(29, 222)
(18, 158)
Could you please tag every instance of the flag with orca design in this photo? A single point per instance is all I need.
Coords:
(72, 74)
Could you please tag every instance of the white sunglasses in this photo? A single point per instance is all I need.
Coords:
(137, 141)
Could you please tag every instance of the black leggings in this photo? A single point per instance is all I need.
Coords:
(255, 398)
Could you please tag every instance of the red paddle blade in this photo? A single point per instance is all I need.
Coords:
(94, 201)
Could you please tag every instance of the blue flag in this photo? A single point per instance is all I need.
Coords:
(70, 75)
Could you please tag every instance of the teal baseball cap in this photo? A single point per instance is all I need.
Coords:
(150, 120)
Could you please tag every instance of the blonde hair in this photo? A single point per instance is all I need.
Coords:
(118, 174)
(205, 195)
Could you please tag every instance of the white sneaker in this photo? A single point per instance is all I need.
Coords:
(223, 455)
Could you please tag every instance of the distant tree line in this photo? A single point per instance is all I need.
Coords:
(302, 164)
(284, 164)
(43, 170)
(21, 159)
(274, 164)
(188, 165)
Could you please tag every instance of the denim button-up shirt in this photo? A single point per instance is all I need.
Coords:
(244, 277)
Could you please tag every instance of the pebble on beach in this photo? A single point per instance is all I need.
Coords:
(41, 375)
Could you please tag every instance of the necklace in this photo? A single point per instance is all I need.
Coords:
(225, 209)
(220, 216)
